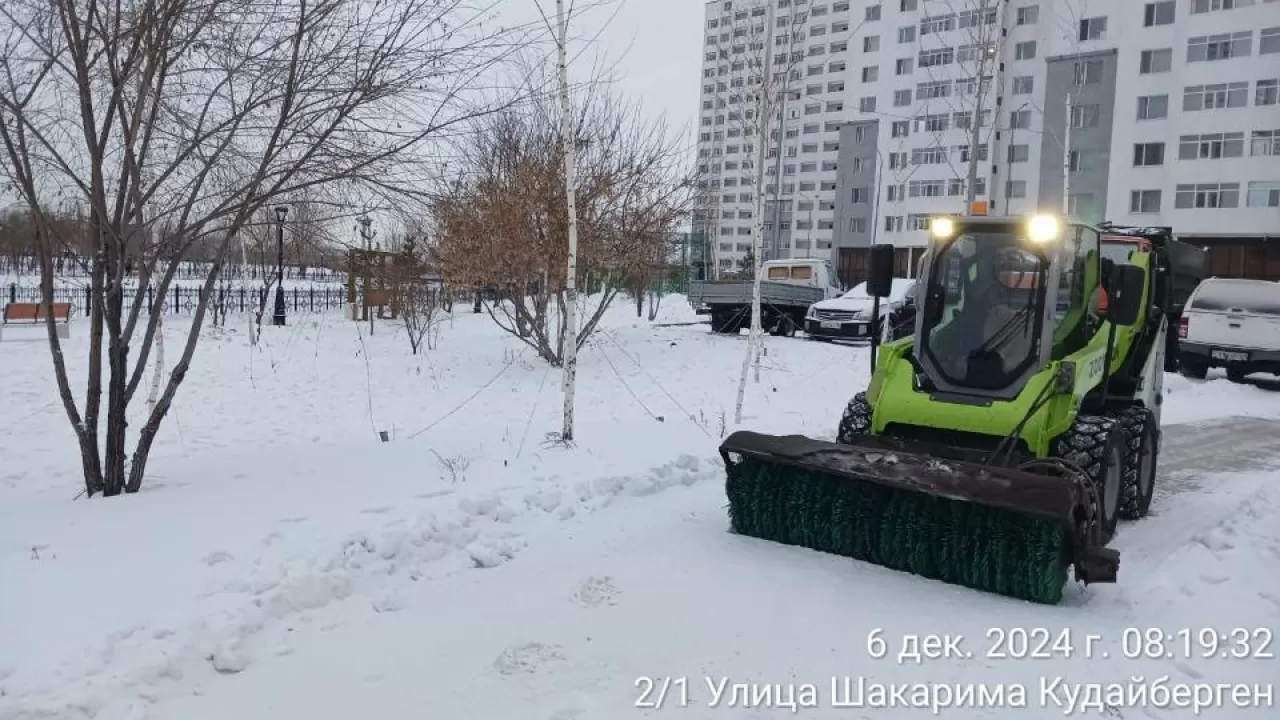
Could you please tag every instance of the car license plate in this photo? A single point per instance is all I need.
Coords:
(1229, 356)
(830, 324)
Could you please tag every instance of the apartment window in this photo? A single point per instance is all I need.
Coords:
(900, 128)
(977, 18)
(1267, 92)
(1148, 154)
(835, 86)
(941, 23)
(1088, 72)
(1159, 13)
(908, 5)
(1023, 84)
(1082, 205)
(1269, 41)
(906, 34)
(871, 43)
(839, 7)
(871, 73)
(1029, 15)
(1212, 146)
(893, 223)
(1207, 48)
(1084, 116)
(873, 13)
(901, 98)
(836, 66)
(931, 90)
(1092, 29)
(897, 160)
(929, 156)
(858, 196)
(1144, 201)
(1020, 119)
(867, 104)
(1025, 50)
(1015, 189)
(926, 188)
(938, 57)
(1019, 153)
(904, 66)
(1153, 107)
(1215, 97)
(1263, 193)
(1207, 196)
(1155, 61)
(1265, 142)
(1205, 6)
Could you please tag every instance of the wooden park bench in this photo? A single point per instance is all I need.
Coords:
(32, 315)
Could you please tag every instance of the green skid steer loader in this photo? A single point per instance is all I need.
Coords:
(998, 446)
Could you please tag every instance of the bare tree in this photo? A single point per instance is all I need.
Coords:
(764, 73)
(196, 115)
(568, 145)
(502, 222)
(419, 294)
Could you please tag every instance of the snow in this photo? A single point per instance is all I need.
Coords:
(284, 562)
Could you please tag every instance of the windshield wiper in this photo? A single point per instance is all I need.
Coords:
(1004, 334)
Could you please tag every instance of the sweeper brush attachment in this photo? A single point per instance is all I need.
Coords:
(1010, 531)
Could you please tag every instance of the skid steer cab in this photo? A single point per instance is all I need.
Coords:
(997, 446)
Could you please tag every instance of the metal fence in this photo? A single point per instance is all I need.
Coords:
(70, 267)
(179, 300)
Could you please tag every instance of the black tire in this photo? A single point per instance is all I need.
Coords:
(1097, 445)
(856, 421)
(725, 322)
(1236, 375)
(1194, 369)
(1143, 441)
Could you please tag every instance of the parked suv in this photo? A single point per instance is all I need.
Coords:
(848, 317)
(1232, 324)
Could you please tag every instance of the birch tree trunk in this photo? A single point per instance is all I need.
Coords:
(569, 335)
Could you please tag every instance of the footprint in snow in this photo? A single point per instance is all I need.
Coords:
(596, 591)
(216, 558)
(529, 658)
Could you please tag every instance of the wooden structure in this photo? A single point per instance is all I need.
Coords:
(376, 279)
(372, 282)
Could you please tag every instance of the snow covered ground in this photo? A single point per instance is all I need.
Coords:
(284, 563)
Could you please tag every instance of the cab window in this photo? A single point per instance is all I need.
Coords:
(802, 272)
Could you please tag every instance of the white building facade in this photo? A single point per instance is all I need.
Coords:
(1155, 113)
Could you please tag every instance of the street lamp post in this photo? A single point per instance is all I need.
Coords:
(279, 316)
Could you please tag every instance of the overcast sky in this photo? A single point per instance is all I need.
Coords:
(655, 44)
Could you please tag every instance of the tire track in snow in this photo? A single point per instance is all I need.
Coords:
(1210, 474)
(251, 616)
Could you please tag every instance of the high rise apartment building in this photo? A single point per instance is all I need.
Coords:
(1154, 113)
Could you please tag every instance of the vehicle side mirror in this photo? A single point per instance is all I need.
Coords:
(880, 270)
(1125, 304)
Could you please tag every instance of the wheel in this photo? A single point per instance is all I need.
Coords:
(1236, 375)
(1097, 445)
(1194, 369)
(784, 327)
(856, 420)
(724, 322)
(1143, 443)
